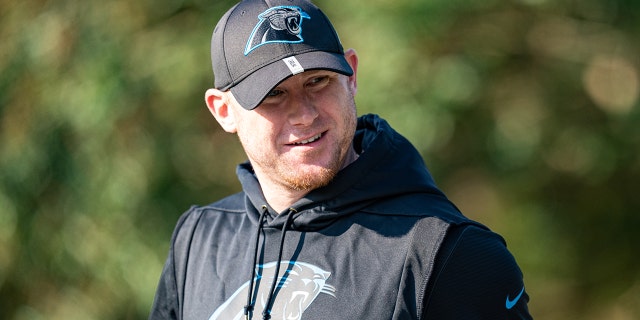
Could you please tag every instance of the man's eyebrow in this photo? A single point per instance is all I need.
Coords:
(316, 71)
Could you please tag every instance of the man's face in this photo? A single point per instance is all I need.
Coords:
(300, 135)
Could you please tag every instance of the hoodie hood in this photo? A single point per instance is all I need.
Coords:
(388, 167)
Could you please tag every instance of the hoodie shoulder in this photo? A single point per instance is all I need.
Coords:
(420, 205)
(195, 225)
(232, 205)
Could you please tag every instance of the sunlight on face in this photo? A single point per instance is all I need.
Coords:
(300, 134)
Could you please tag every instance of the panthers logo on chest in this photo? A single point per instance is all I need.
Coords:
(299, 284)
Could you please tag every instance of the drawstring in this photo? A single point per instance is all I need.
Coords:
(266, 313)
(248, 308)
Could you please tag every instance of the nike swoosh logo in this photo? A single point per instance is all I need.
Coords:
(510, 303)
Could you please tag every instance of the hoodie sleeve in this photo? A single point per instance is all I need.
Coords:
(166, 304)
(475, 277)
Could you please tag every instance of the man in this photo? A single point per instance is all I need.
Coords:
(339, 217)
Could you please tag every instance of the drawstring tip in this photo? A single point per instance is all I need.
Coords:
(248, 309)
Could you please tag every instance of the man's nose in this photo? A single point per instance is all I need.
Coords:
(303, 110)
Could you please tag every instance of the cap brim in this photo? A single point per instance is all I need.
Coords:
(253, 89)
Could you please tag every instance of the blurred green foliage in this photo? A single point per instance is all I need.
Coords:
(526, 111)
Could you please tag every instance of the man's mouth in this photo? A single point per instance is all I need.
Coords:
(312, 139)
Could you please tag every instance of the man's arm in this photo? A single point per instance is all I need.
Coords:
(475, 277)
(165, 303)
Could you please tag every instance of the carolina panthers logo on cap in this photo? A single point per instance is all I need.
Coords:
(282, 24)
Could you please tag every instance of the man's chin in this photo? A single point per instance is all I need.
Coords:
(307, 180)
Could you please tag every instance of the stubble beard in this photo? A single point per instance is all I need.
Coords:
(307, 180)
(299, 179)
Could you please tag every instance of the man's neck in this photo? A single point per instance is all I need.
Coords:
(281, 197)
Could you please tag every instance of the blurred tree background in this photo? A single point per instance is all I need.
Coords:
(527, 112)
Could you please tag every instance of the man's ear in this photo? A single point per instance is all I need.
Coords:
(352, 58)
(218, 103)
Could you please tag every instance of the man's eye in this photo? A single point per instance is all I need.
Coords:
(274, 93)
(319, 80)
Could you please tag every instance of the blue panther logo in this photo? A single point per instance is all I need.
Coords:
(299, 284)
(282, 24)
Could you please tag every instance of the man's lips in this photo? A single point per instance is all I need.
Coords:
(306, 141)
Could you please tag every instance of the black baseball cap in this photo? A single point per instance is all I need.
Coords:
(259, 43)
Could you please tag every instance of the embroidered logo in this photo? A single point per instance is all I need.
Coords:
(282, 24)
(511, 303)
(299, 284)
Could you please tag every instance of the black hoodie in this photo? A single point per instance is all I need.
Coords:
(381, 241)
